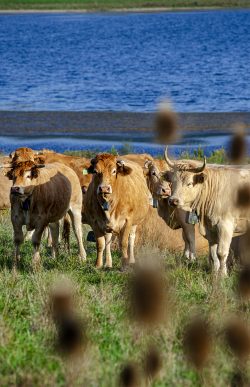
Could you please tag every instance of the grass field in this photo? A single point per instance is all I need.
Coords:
(116, 4)
(27, 340)
(28, 354)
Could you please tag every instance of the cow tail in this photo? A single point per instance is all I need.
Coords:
(66, 231)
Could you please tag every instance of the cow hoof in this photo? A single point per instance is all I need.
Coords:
(82, 259)
(14, 271)
(126, 268)
(36, 264)
(98, 266)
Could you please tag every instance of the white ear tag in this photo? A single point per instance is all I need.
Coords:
(84, 171)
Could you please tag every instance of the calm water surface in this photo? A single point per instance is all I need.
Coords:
(125, 62)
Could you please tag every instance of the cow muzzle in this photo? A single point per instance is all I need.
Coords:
(16, 190)
(104, 189)
(173, 202)
(164, 192)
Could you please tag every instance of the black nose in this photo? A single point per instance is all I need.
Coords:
(174, 202)
(14, 189)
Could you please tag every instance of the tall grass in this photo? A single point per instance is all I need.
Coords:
(28, 356)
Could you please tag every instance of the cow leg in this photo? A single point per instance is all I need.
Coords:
(18, 240)
(108, 256)
(188, 233)
(225, 238)
(186, 252)
(28, 235)
(100, 247)
(124, 244)
(76, 220)
(213, 257)
(131, 244)
(49, 237)
(54, 231)
(36, 241)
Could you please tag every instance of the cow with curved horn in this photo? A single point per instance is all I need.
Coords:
(211, 192)
(158, 178)
(40, 196)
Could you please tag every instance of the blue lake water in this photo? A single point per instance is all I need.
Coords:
(137, 142)
(125, 62)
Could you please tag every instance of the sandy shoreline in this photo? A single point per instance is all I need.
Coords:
(24, 123)
(118, 10)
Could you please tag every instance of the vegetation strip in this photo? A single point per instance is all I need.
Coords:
(107, 5)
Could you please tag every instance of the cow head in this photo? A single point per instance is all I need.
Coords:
(187, 183)
(158, 182)
(22, 155)
(24, 176)
(106, 169)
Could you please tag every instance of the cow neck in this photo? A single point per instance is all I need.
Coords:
(106, 207)
(26, 204)
(206, 200)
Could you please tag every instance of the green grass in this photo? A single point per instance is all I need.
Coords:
(116, 4)
(27, 335)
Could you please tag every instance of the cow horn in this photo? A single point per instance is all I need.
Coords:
(170, 163)
(5, 166)
(40, 165)
(201, 169)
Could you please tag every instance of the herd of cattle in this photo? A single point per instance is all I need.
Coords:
(113, 195)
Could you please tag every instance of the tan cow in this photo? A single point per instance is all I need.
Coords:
(77, 163)
(160, 188)
(116, 202)
(40, 196)
(5, 185)
(212, 193)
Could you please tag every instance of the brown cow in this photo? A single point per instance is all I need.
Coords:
(116, 202)
(41, 197)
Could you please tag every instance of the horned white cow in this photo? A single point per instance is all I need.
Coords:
(212, 192)
(160, 188)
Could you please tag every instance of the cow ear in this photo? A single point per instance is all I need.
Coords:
(146, 167)
(123, 169)
(9, 174)
(168, 176)
(90, 169)
(40, 159)
(199, 178)
(34, 173)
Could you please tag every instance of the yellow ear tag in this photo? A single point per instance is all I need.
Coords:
(84, 171)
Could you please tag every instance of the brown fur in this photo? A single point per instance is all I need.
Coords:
(128, 203)
(52, 192)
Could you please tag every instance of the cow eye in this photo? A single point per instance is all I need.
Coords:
(190, 184)
(28, 176)
(153, 173)
(114, 172)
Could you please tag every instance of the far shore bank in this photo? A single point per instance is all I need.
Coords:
(56, 122)
(115, 10)
(68, 8)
